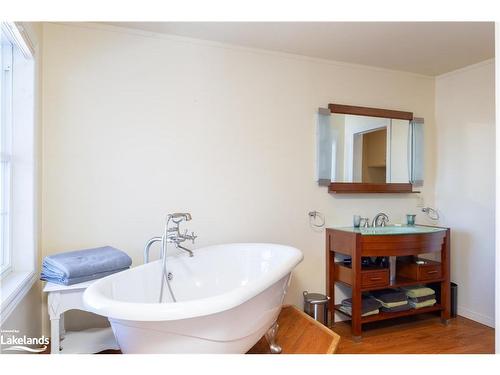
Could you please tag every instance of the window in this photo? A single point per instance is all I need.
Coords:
(18, 256)
(5, 149)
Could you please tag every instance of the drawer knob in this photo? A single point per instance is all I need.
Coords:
(431, 272)
(375, 278)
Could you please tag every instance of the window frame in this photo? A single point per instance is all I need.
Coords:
(6, 123)
(23, 273)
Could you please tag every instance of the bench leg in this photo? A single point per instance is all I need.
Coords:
(62, 327)
(54, 335)
(54, 306)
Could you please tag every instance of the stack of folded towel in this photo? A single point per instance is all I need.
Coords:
(369, 306)
(420, 296)
(75, 267)
(392, 300)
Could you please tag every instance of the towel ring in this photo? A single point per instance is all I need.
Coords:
(313, 216)
(431, 213)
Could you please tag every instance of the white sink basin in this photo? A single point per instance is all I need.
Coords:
(390, 230)
(398, 229)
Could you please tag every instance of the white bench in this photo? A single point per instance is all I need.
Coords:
(62, 298)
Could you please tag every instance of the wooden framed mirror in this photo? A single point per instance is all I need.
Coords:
(369, 150)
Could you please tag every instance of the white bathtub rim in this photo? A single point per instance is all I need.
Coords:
(99, 304)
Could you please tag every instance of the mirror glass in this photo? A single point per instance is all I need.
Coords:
(366, 149)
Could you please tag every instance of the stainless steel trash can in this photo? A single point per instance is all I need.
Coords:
(316, 305)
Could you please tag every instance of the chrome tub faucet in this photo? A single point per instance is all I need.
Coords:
(173, 235)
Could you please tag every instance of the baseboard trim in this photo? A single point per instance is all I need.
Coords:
(477, 317)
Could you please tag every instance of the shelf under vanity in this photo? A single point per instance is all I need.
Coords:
(391, 315)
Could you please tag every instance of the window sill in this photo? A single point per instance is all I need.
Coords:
(13, 288)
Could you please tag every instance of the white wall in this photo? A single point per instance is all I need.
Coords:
(465, 184)
(497, 202)
(26, 317)
(137, 125)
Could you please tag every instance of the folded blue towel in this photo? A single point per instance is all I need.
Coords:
(58, 279)
(74, 267)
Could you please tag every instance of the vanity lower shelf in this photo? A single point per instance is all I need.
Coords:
(390, 315)
(397, 283)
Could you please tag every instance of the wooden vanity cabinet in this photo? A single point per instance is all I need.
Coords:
(363, 279)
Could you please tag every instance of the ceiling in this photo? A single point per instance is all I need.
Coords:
(429, 48)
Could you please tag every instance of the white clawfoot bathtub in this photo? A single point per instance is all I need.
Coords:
(228, 296)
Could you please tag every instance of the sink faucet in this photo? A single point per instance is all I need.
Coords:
(380, 220)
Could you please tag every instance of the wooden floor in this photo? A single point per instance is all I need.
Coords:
(419, 334)
(298, 333)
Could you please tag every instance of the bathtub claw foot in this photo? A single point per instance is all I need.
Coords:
(275, 348)
(271, 339)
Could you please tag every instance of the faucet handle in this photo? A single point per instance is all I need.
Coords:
(193, 237)
(383, 221)
(365, 222)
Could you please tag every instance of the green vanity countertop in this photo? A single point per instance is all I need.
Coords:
(393, 230)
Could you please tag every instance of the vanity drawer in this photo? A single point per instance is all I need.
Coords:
(370, 278)
(429, 272)
(374, 278)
